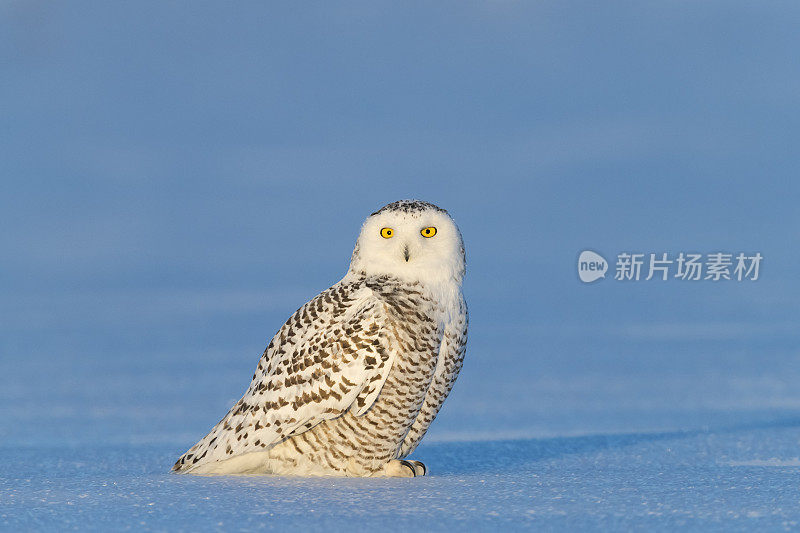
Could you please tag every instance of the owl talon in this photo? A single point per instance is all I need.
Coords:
(419, 468)
(399, 468)
(410, 466)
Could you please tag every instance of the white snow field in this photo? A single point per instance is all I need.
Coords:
(649, 441)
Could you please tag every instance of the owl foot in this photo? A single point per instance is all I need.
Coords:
(404, 468)
(419, 467)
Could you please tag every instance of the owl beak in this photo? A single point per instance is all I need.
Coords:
(406, 253)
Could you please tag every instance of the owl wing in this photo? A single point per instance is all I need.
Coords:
(332, 356)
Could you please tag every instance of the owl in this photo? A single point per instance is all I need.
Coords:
(351, 382)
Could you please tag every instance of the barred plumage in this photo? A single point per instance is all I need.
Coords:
(352, 380)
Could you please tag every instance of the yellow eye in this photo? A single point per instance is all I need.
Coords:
(430, 231)
(387, 233)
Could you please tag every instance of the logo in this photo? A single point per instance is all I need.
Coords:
(591, 266)
(663, 266)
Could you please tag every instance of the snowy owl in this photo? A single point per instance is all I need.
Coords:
(350, 383)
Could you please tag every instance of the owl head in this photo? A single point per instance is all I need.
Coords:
(411, 240)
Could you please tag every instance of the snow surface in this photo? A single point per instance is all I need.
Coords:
(684, 444)
(645, 481)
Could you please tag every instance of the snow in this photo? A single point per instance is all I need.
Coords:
(612, 446)
(656, 480)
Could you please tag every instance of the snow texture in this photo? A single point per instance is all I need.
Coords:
(671, 447)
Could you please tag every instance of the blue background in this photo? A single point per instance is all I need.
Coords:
(178, 177)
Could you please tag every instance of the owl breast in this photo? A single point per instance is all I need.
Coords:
(361, 445)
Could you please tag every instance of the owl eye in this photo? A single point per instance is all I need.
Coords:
(430, 231)
(387, 233)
